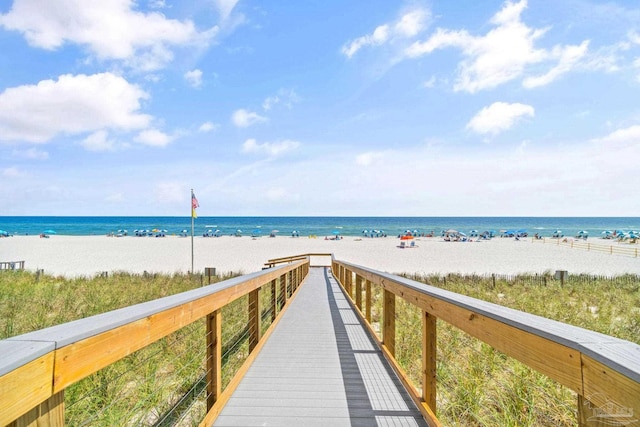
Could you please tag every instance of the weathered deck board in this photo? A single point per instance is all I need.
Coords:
(320, 368)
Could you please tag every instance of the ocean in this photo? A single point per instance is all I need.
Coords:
(319, 226)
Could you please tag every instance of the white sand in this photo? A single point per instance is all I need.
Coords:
(88, 255)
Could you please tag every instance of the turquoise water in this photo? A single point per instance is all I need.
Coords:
(320, 226)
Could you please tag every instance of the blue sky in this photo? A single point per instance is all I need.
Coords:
(376, 107)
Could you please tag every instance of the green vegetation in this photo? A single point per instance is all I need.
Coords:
(141, 388)
(480, 386)
(477, 385)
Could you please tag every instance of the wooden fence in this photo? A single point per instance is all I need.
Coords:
(626, 249)
(602, 370)
(11, 265)
(37, 367)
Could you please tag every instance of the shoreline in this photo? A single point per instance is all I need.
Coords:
(73, 256)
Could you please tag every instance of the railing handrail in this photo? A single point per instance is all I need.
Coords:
(275, 261)
(590, 363)
(36, 358)
(618, 354)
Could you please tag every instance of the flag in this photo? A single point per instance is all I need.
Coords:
(194, 205)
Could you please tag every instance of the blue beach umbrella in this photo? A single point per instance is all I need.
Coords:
(49, 232)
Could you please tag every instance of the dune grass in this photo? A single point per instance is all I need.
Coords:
(480, 386)
(477, 385)
(141, 388)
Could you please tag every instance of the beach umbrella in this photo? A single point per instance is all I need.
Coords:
(336, 232)
(451, 231)
(49, 232)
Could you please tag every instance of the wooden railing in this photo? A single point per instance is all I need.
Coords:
(313, 259)
(620, 249)
(11, 265)
(602, 370)
(37, 367)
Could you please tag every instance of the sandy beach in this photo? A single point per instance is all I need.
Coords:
(88, 255)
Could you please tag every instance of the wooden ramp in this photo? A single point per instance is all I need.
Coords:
(320, 368)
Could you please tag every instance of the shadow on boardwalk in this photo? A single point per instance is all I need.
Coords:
(320, 368)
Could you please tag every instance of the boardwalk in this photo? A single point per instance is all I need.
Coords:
(320, 368)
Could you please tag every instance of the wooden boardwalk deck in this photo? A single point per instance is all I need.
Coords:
(320, 368)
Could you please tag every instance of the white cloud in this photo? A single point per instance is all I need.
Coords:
(208, 127)
(429, 83)
(31, 153)
(70, 105)
(154, 138)
(114, 198)
(98, 141)
(109, 30)
(170, 193)
(194, 77)
(277, 194)
(503, 54)
(271, 149)
(371, 157)
(157, 4)
(12, 172)
(225, 7)
(243, 118)
(498, 117)
(620, 138)
(286, 97)
(408, 25)
(568, 57)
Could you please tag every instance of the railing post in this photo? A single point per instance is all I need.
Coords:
(49, 413)
(367, 298)
(283, 290)
(274, 300)
(347, 273)
(429, 346)
(214, 357)
(389, 325)
(359, 292)
(254, 319)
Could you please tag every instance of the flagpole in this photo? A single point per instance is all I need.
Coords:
(192, 225)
